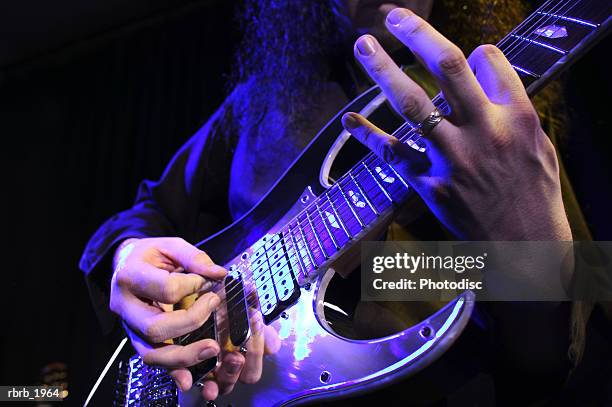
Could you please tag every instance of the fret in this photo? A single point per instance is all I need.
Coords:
(532, 58)
(539, 43)
(341, 222)
(372, 191)
(363, 195)
(306, 247)
(559, 36)
(396, 174)
(390, 180)
(549, 35)
(569, 19)
(348, 203)
(357, 202)
(325, 221)
(322, 236)
(375, 178)
(526, 72)
(294, 261)
(311, 239)
(345, 211)
(590, 11)
(303, 266)
(316, 235)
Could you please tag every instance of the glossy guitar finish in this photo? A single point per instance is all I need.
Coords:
(313, 363)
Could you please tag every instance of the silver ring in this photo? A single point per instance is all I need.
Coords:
(431, 121)
(243, 350)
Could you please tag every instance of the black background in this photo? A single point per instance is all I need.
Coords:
(89, 111)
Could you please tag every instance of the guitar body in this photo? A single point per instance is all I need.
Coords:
(314, 361)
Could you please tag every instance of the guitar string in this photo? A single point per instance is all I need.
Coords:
(511, 54)
(553, 15)
(366, 159)
(515, 50)
(508, 55)
(516, 41)
(370, 158)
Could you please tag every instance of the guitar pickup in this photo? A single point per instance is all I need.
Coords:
(237, 312)
(206, 331)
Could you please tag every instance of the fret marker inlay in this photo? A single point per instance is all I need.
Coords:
(384, 176)
(356, 198)
(552, 31)
(332, 220)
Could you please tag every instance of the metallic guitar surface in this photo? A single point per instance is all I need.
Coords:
(314, 363)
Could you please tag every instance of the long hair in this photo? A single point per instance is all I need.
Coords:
(286, 55)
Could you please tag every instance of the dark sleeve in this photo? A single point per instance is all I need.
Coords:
(189, 200)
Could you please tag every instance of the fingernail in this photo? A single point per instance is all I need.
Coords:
(221, 270)
(206, 286)
(349, 121)
(214, 302)
(396, 15)
(207, 354)
(365, 45)
(233, 368)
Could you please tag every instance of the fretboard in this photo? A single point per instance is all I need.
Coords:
(548, 41)
(554, 36)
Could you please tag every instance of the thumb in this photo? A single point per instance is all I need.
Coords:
(192, 259)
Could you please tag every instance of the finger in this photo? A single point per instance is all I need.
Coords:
(157, 326)
(147, 281)
(272, 341)
(408, 98)
(383, 145)
(443, 59)
(251, 372)
(182, 378)
(229, 371)
(496, 75)
(191, 258)
(210, 390)
(177, 356)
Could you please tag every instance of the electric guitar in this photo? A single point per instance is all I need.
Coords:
(281, 255)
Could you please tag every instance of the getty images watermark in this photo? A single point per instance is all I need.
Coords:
(494, 271)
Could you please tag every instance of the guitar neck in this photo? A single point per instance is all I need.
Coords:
(553, 37)
(541, 47)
